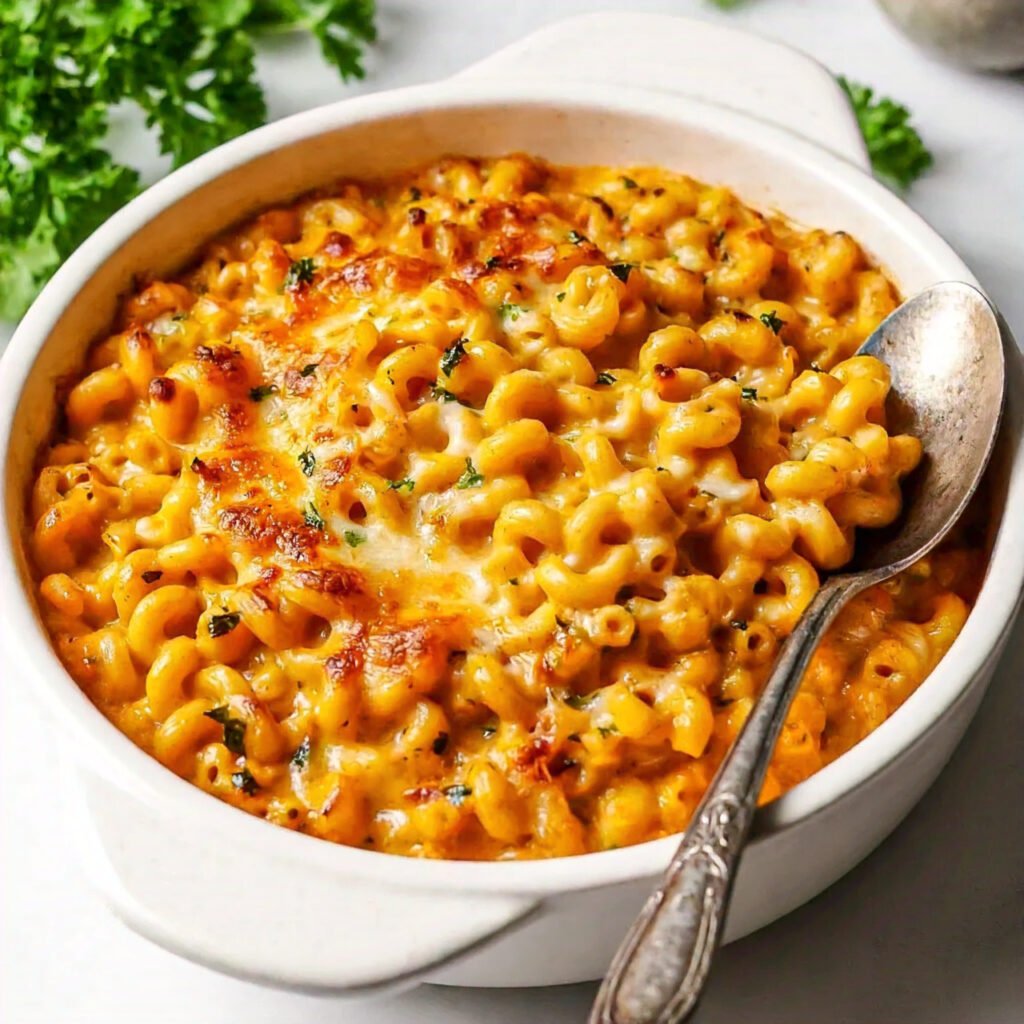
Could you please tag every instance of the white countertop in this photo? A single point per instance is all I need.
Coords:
(928, 930)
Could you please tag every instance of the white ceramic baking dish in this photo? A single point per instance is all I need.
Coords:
(227, 890)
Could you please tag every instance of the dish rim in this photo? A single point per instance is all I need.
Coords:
(101, 746)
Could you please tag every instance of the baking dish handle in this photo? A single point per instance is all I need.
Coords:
(774, 82)
(254, 918)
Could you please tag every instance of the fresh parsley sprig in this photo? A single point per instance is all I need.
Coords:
(189, 65)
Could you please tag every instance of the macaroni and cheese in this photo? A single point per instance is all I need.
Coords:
(462, 514)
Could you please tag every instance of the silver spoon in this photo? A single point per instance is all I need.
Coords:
(944, 350)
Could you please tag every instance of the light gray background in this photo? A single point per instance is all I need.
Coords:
(929, 930)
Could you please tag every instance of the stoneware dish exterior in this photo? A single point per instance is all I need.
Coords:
(227, 890)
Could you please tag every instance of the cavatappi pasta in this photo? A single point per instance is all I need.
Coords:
(462, 514)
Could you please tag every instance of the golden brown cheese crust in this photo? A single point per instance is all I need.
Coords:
(462, 514)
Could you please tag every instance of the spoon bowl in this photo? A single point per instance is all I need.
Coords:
(944, 351)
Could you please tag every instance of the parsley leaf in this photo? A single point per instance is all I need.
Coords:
(301, 756)
(629, 182)
(457, 793)
(604, 378)
(219, 625)
(406, 484)
(307, 461)
(750, 394)
(470, 478)
(257, 394)
(740, 624)
(234, 728)
(510, 311)
(621, 270)
(772, 321)
(353, 538)
(442, 394)
(244, 781)
(299, 273)
(897, 153)
(308, 370)
(311, 514)
(453, 355)
(188, 66)
(576, 238)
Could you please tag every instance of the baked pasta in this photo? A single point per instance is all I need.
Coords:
(462, 514)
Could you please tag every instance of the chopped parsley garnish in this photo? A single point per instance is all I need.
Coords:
(579, 701)
(244, 781)
(772, 322)
(307, 460)
(492, 261)
(301, 756)
(151, 575)
(489, 731)
(353, 538)
(257, 394)
(740, 624)
(897, 153)
(621, 270)
(816, 368)
(443, 394)
(457, 793)
(402, 485)
(308, 370)
(510, 311)
(470, 478)
(234, 728)
(299, 273)
(607, 730)
(629, 182)
(219, 625)
(576, 238)
(750, 394)
(313, 518)
(453, 355)
(604, 377)
(560, 296)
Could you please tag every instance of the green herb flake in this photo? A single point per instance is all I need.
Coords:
(299, 273)
(492, 262)
(353, 538)
(576, 238)
(772, 322)
(629, 182)
(749, 394)
(897, 153)
(219, 625)
(489, 731)
(740, 624)
(560, 296)
(307, 462)
(457, 794)
(234, 728)
(579, 701)
(300, 759)
(443, 394)
(608, 730)
(308, 370)
(406, 484)
(257, 394)
(470, 478)
(453, 355)
(510, 311)
(621, 270)
(604, 377)
(311, 514)
(244, 781)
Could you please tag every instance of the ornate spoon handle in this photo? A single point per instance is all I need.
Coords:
(659, 972)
